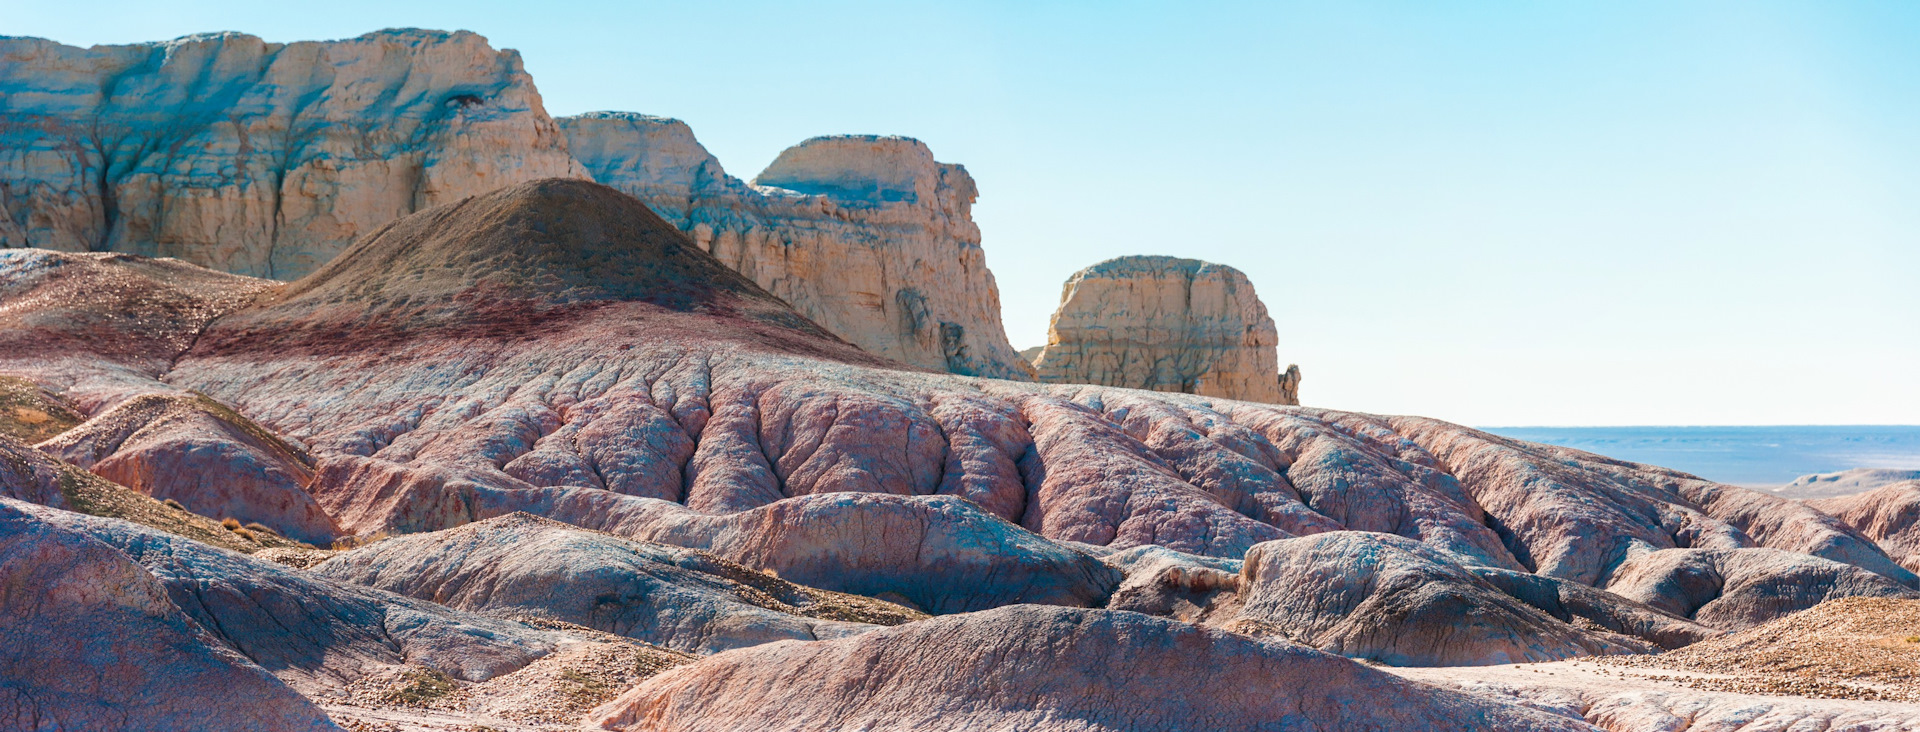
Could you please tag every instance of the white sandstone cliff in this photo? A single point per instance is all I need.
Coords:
(1166, 324)
(258, 158)
(867, 235)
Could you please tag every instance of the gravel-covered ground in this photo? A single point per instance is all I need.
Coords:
(1860, 648)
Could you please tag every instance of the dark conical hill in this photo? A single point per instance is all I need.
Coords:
(516, 263)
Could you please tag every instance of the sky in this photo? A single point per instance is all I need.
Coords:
(1604, 212)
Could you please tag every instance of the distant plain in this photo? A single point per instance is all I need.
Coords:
(1755, 457)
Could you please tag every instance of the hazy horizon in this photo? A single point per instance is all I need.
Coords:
(1567, 214)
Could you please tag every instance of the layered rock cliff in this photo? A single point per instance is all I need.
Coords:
(258, 158)
(267, 159)
(867, 235)
(1166, 324)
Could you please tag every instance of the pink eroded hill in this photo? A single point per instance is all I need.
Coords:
(1890, 515)
(554, 345)
(555, 348)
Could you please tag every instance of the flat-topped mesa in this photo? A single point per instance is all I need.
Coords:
(1166, 324)
(867, 235)
(258, 158)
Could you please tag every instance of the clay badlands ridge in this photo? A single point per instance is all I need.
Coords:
(335, 393)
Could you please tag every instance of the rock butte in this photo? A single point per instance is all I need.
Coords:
(268, 159)
(553, 349)
(864, 234)
(1166, 324)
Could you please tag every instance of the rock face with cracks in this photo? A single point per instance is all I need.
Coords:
(1392, 600)
(1890, 515)
(29, 475)
(93, 642)
(1575, 515)
(1735, 589)
(258, 158)
(1572, 602)
(268, 159)
(98, 328)
(1030, 667)
(523, 565)
(866, 235)
(195, 451)
(1166, 324)
(317, 635)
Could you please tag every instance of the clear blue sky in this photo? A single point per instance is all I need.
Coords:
(1497, 213)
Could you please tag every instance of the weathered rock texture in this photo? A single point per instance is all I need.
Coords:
(935, 553)
(1735, 589)
(1890, 515)
(252, 157)
(196, 451)
(29, 475)
(1576, 515)
(1393, 600)
(97, 328)
(1166, 324)
(1584, 606)
(866, 235)
(93, 642)
(1039, 668)
(522, 565)
(316, 634)
(268, 159)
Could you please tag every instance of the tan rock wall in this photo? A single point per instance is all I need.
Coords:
(1166, 324)
(268, 159)
(258, 158)
(867, 235)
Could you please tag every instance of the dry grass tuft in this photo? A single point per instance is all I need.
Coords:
(420, 687)
(96, 496)
(32, 414)
(349, 543)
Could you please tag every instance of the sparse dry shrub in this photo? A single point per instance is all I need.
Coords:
(231, 524)
(173, 504)
(347, 543)
(421, 686)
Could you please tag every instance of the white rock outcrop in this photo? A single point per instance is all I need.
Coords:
(1166, 324)
(867, 235)
(258, 158)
